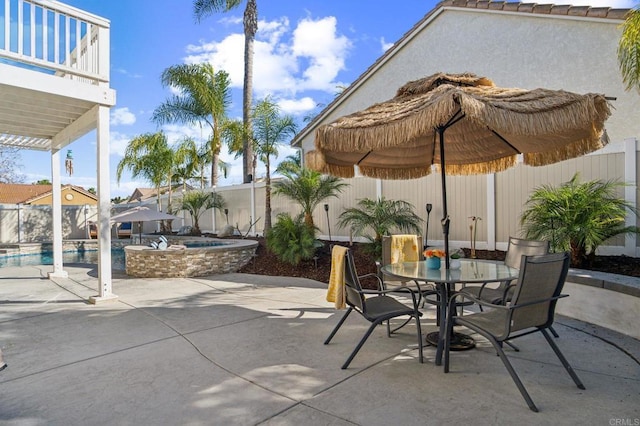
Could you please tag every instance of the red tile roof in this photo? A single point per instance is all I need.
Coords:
(14, 193)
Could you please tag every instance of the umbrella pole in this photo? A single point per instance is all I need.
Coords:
(445, 214)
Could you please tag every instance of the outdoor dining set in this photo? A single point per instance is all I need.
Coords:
(500, 301)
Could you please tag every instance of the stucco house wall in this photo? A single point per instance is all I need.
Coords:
(573, 51)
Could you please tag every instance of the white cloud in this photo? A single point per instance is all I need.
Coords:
(297, 106)
(118, 143)
(226, 55)
(126, 188)
(384, 45)
(326, 51)
(285, 62)
(616, 4)
(122, 116)
(127, 73)
(176, 133)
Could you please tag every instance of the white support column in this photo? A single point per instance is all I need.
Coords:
(630, 192)
(56, 208)
(378, 189)
(491, 212)
(104, 209)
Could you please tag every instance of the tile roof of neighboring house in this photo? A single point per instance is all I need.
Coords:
(141, 194)
(18, 193)
(14, 193)
(518, 7)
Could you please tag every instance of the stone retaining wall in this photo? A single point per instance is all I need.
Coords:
(146, 262)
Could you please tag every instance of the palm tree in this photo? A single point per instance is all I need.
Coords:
(383, 217)
(308, 188)
(204, 99)
(629, 50)
(577, 216)
(148, 156)
(187, 162)
(292, 163)
(269, 130)
(203, 8)
(197, 202)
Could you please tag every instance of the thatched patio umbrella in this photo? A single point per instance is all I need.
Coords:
(486, 128)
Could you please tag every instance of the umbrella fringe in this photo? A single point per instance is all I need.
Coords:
(493, 166)
(339, 171)
(395, 173)
(315, 160)
(573, 150)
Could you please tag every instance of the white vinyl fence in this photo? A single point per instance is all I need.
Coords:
(498, 199)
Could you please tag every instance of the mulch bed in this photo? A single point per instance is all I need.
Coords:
(266, 263)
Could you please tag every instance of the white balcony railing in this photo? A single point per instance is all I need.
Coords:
(54, 38)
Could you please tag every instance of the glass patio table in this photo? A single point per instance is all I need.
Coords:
(471, 271)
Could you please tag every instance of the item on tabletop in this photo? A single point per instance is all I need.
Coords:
(433, 257)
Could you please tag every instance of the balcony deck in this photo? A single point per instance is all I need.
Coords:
(54, 71)
(54, 89)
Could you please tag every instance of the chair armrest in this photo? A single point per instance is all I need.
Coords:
(460, 294)
(505, 294)
(384, 292)
(537, 302)
(380, 283)
(491, 305)
(502, 284)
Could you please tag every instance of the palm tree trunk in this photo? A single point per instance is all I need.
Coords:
(250, 28)
(308, 220)
(214, 169)
(267, 197)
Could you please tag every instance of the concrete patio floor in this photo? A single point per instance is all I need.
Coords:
(242, 349)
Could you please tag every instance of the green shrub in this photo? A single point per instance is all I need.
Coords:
(577, 217)
(291, 240)
(382, 217)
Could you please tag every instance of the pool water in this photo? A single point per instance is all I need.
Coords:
(46, 258)
(83, 257)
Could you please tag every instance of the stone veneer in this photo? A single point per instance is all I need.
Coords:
(146, 262)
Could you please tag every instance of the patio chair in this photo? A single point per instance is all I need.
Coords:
(184, 230)
(502, 294)
(376, 306)
(530, 310)
(124, 230)
(391, 245)
(516, 248)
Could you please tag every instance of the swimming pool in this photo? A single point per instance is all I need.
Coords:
(46, 258)
(87, 256)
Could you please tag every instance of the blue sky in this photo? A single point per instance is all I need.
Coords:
(304, 51)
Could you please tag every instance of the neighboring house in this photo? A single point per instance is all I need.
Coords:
(523, 45)
(13, 193)
(147, 194)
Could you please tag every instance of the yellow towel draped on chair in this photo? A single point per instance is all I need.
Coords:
(335, 292)
(404, 248)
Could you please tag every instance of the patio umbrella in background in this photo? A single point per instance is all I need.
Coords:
(141, 214)
(480, 128)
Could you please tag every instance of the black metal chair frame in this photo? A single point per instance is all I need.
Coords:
(427, 289)
(507, 313)
(499, 296)
(376, 306)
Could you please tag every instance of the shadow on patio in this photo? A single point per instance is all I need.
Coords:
(246, 349)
